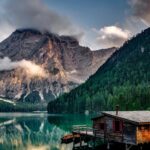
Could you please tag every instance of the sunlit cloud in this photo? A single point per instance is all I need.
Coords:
(31, 69)
(112, 36)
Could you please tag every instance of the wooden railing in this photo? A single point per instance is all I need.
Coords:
(84, 129)
(98, 133)
(81, 129)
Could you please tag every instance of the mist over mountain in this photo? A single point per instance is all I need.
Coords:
(39, 66)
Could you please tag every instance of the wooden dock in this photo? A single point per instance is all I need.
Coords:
(83, 130)
(87, 131)
(83, 137)
(87, 138)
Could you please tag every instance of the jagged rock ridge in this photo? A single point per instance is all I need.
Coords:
(66, 63)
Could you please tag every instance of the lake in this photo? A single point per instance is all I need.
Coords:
(37, 131)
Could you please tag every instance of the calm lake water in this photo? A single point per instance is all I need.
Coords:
(37, 131)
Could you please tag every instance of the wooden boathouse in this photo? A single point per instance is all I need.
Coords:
(128, 127)
(131, 128)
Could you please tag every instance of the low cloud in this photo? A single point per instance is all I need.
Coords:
(31, 69)
(35, 14)
(111, 36)
(141, 10)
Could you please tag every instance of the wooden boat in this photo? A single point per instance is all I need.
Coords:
(70, 138)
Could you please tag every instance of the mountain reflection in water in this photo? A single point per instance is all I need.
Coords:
(36, 131)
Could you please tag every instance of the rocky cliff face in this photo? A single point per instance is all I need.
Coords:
(63, 61)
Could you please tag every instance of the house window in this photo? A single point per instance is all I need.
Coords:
(117, 126)
(102, 126)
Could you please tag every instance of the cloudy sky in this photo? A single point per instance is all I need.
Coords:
(96, 23)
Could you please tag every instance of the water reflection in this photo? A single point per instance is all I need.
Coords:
(36, 131)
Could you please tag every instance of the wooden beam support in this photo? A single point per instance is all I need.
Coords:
(108, 145)
(128, 147)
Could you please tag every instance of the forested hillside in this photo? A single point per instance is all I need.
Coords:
(124, 79)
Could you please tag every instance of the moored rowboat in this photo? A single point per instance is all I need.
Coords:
(70, 138)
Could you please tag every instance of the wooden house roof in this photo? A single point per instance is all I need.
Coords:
(97, 117)
(137, 117)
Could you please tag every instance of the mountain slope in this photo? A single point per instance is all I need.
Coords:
(124, 79)
(41, 66)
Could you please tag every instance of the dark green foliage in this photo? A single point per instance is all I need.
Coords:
(124, 79)
(48, 95)
(21, 107)
(33, 97)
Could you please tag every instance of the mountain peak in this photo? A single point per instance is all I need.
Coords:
(65, 63)
(58, 38)
(27, 30)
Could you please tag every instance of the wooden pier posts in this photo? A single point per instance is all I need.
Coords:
(127, 147)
